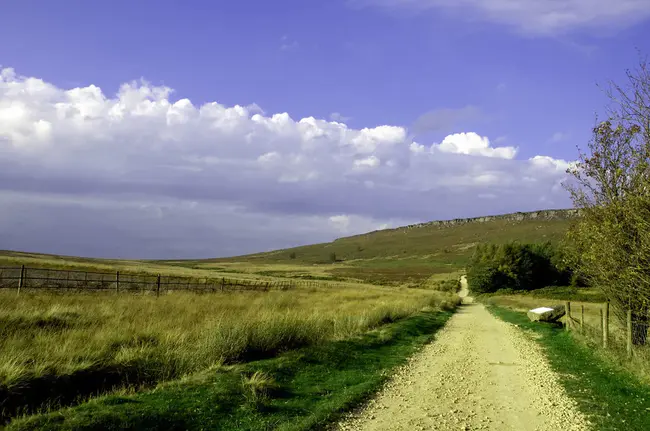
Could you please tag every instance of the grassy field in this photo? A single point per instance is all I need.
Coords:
(66, 346)
(304, 389)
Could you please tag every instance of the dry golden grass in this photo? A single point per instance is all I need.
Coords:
(177, 334)
(127, 266)
(434, 281)
(305, 275)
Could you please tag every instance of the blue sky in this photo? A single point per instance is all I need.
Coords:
(523, 77)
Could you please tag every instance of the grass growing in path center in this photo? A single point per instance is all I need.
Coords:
(611, 398)
(298, 390)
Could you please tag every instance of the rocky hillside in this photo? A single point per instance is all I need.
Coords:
(541, 215)
(562, 214)
(445, 245)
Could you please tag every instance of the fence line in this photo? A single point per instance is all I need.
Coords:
(632, 336)
(24, 278)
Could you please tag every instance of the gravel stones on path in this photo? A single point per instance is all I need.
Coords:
(480, 373)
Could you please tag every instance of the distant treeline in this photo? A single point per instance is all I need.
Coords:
(519, 266)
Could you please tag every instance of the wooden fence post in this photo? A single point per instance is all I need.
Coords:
(567, 311)
(158, 286)
(606, 325)
(582, 319)
(629, 333)
(601, 321)
(21, 280)
(117, 282)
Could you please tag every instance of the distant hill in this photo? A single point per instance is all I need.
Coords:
(408, 254)
(416, 251)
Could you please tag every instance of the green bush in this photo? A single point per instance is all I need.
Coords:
(517, 266)
(483, 277)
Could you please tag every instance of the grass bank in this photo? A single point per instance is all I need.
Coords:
(298, 390)
(57, 348)
(565, 293)
(611, 397)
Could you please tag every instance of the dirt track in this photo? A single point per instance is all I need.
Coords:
(479, 373)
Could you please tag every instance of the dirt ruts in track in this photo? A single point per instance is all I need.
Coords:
(479, 374)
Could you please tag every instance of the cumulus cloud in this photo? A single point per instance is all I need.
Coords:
(472, 143)
(535, 17)
(143, 174)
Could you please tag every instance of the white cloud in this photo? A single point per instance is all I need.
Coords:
(139, 174)
(368, 162)
(472, 143)
(536, 17)
(417, 148)
(549, 164)
(340, 222)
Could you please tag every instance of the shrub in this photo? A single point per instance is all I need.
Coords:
(483, 278)
(517, 267)
(332, 257)
(292, 255)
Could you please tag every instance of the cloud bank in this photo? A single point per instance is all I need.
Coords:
(139, 174)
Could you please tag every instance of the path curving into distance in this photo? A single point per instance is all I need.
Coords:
(480, 373)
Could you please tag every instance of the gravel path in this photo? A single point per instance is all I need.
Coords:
(479, 374)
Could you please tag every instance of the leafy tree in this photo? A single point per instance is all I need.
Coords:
(609, 245)
(483, 278)
(515, 266)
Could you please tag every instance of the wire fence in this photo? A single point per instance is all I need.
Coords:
(24, 279)
(628, 334)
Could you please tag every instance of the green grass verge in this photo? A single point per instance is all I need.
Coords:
(567, 293)
(612, 398)
(303, 389)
